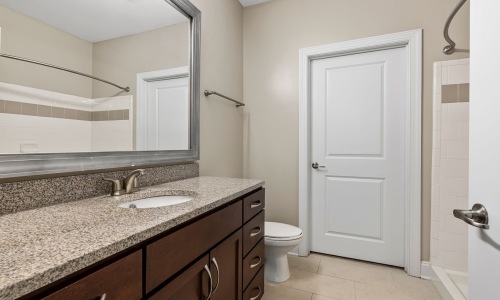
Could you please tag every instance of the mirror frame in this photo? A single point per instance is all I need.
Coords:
(34, 165)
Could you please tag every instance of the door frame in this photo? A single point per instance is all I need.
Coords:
(412, 42)
(142, 95)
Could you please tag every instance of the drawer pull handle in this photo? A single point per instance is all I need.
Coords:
(256, 204)
(256, 264)
(218, 274)
(252, 234)
(103, 297)
(258, 295)
(211, 282)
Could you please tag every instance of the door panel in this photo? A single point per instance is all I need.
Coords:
(168, 113)
(352, 195)
(192, 284)
(357, 134)
(484, 245)
(348, 104)
(228, 257)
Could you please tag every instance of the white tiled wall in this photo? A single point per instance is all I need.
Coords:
(450, 169)
(44, 134)
(112, 135)
(49, 135)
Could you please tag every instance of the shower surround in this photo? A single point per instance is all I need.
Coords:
(450, 172)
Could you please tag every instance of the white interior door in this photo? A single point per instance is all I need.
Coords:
(168, 114)
(357, 139)
(484, 245)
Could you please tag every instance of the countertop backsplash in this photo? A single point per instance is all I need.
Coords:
(24, 195)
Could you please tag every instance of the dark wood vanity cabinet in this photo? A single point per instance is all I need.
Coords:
(119, 280)
(253, 245)
(220, 254)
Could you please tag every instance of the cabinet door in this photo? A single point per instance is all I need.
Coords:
(192, 284)
(172, 253)
(226, 268)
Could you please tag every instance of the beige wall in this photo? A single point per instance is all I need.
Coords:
(222, 71)
(273, 34)
(29, 38)
(119, 60)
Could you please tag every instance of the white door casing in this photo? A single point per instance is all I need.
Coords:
(411, 42)
(357, 133)
(163, 110)
(484, 160)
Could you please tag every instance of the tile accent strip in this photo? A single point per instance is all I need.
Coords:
(28, 109)
(452, 93)
(24, 195)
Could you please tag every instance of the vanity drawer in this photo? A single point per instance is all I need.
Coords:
(252, 263)
(170, 254)
(253, 232)
(119, 280)
(253, 204)
(255, 290)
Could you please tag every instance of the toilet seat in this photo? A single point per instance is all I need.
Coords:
(281, 232)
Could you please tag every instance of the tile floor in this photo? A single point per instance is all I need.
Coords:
(322, 277)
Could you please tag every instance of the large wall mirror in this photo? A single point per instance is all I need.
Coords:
(88, 85)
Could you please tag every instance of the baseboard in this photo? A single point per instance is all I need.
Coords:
(425, 270)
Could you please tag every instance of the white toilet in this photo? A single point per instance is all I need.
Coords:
(279, 239)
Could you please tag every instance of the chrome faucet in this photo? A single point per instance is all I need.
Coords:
(128, 185)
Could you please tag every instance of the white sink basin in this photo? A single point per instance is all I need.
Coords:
(157, 201)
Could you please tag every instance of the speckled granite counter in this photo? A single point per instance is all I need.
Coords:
(42, 245)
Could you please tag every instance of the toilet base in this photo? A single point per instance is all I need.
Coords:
(276, 268)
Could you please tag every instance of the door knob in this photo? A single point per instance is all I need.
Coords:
(477, 216)
(315, 165)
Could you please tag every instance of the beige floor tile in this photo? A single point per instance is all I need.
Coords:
(366, 291)
(321, 284)
(359, 272)
(415, 287)
(308, 264)
(319, 297)
(279, 292)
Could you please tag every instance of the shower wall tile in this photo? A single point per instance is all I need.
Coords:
(455, 261)
(450, 164)
(458, 74)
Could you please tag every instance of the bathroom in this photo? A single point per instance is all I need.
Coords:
(251, 54)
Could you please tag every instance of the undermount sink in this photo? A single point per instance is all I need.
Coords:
(158, 201)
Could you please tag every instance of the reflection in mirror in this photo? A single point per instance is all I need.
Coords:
(143, 45)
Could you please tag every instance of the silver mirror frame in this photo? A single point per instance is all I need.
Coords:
(34, 165)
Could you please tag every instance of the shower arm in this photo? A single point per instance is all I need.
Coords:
(450, 48)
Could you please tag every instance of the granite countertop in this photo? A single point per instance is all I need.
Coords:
(40, 246)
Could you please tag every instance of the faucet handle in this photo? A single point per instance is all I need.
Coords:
(116, 187)
(136, 184)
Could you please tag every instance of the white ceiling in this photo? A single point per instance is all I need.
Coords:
(246, 3)
(98, 20)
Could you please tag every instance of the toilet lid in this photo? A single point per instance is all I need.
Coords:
(281, 231)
